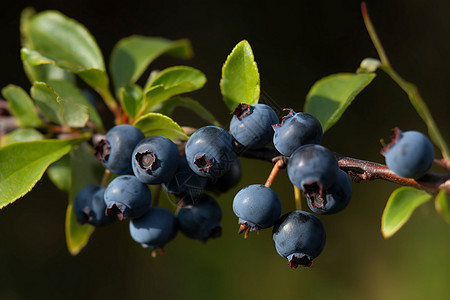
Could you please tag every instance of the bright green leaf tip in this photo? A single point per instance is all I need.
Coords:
(240, 77)
(401, 204)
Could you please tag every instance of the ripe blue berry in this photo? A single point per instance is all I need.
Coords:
(295, 130)
(155, 160)
(127, 197)
(89, 206)
(185, 181)
(313, 169)
(300, 237)
(336, 197)
(209, 151)
(200, 219)
(114, 151)
(155, 228)
(257, 207)
(410, 154)
(251, 125)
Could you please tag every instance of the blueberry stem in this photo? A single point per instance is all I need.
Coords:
(298, 198)
(273, 174)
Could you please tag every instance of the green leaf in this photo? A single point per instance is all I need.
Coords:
(170, 82)
(169, 106)
(59, 110)
(22, 106)
(23, 165)
(159, 124)
(72, 94)
(21, 135)
(441, 205)
(85, 170)
(59, 173)
(131, 97)
(240, 77)
(65, 41)
(401, 204)
(131, 56)
(59, 40)
(330, 96)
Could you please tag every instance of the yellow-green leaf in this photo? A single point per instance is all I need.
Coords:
(23, 164)
(21, 106)
(159, 124)
(85, 170)
(240, 77)
(401, 204)
(441, 205)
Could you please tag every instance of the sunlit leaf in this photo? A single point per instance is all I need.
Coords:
(442, 207)
(23, 164)
(170, 82)
(159, 124)
(132, 55)
(21, 106)
(240, 77)
(330, 96)
(401, 204)
(169, 106)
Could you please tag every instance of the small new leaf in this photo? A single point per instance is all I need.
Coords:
(401, 204)
(240, 77)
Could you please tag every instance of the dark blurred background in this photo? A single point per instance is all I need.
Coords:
(295, 43)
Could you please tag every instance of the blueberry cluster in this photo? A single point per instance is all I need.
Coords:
(299, 236)
(141, 161)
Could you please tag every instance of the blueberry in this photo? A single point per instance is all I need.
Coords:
(89, 206)
(251, 125)
(155, 228)
(410, 154)
(127, 197)
(313, 169)
(209, 151)
(300, 237)
(295, 130)
(227, 181)
(200, 219)
(114, 151)
(257, 207)
(185, 181)
(155, 160)
(336, 197)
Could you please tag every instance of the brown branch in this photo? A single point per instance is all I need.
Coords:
(365, 170)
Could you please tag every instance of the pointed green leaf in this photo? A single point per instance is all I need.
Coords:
(441, 205)
(159, 124)
(131, 97)
(21, 106)
(170, 82)
(21, 135)
(240, 77)
(59, 40)
(59, 173)
(330, 96)
(169, 106)
(23, 165)
(401, 204)
(132, 55)
(86, 169)
(59, 110)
